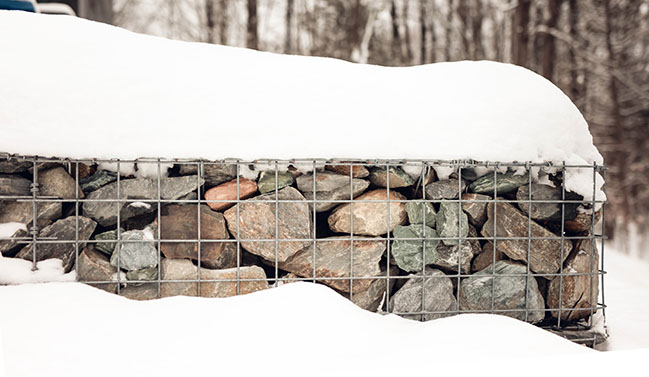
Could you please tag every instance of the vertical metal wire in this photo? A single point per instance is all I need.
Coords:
(495, 238)
(387, 235)
(563, 234)
(423, 230)
(238, 204)
(76, 219)
(199, 170)
(276, 222)
(351, 230)
(592, 246)
(315, 201)
(529, 238)
(118, 243)
(459, 234)
(601, 272)
(34, 230)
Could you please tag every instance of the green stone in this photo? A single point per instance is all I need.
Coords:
(107, 247)
(267, 181)
(149, 273)
(450, 221)
(505, 183)
(398, 177)
(417, 211)
(409, 253)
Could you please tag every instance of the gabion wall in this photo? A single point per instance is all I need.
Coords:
(392, 236)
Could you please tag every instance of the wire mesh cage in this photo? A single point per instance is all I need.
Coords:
(422, 239)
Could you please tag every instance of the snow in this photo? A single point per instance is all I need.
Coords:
(19, 271)
(111, 93)
(7, 230)
(298, 328)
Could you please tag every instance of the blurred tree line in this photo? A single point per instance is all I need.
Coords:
(596, 51)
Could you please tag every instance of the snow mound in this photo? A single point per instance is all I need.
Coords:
(19, 271)
(307, 329)
(110, 93)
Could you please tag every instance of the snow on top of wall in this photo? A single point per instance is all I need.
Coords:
(79, 89)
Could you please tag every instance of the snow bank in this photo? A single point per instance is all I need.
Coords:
(7, 230)
(19, 271)
(110, 93)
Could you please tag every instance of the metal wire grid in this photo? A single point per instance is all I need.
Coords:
(425, 166)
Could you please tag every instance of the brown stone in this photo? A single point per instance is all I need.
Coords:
(57, 183)
(257, 222)
(545, 254)
(576, 290)
(180, 222)
(583, 222)
(146, 291)
(22, 212)
(485, 258)
(332, 259)
(370, 218)
(94, 266)
(330, 187)
(228, 191)
(358, 171)
(183, 269)
(475, 210)
(86, 170)
(372, 297)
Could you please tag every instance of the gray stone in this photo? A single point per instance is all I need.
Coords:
(57, 183)
(547, 211)
(446, 189)
(257, 221)
(213, 173)
(408, 254)
(14, 166)
(149, 273)
(449, 257)
(398, 177)
(144, 291)
(545, 254)
(372, 297)
(475, 208)
(505, 182)
(330, 186)
(183, 269)
(417, 212)
(107, 247)
(437, 296)
(105, 213)
(370, 218)
(94, 266)
(578, 293)
(135, 255)
(267, 180)
(14, 185)
(508, 292)
(332, 260)
(451, 222)
(61, 230)
(22, 212)
(99, 179)
(358, 171)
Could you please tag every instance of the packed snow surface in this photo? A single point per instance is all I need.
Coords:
(19, 271)
(8, 229)
(110, 93)
(303, 329)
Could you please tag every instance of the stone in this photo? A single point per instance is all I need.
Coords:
(97, 180)
(505, 182)
(183, 269)
(23, 213)
(486, 257)
(546, 211)
(180, 222)
(61, 230)
(107, 247)
(398, 177)
(358, 171)
(149, 273)
(330, 187)
(135, 255)
(228, 191)
(475, 208)
(94, 266)
(582, 223)
(372, 297)
(213, 173)
(333, 257)
(267, 179)
(257, 222)
(370, 218)
(508, 292)
(57, 183)
(14, 185)
(420, 212)
(445, 189)
(84, 170)
(144, 291)
(105, 213)
(575, 290)
(451, 223)
(450, 257)
(545, 254)
(14, 166)
(408, 254)
(437, 297)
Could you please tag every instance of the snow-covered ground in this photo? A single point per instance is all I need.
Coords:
(305, 329)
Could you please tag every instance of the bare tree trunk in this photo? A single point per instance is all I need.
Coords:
(252, 36)
(288, 38)
(573, 17)
(406, 32)
(465, 23)
(548, 60)
(423, 31)
(520, 35)
(223, 22)
(396, 38)
(209, 21)
(433, 37)
(449, 29)
(478, 49)
(97, 10)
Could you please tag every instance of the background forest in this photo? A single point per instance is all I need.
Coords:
(596, 51)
